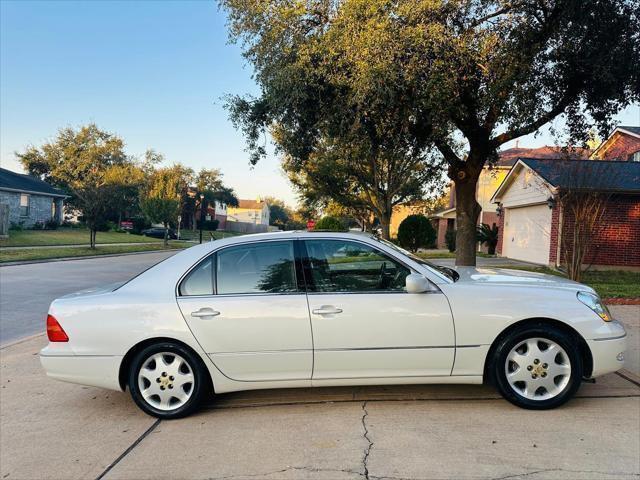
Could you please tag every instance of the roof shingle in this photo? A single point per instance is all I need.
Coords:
(603, 175)
(26, 183)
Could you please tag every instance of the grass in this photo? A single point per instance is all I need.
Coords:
(63, 252)
(206, 235)
(608, 283)
(67, 236)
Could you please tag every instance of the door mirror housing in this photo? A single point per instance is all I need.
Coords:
(417, 283)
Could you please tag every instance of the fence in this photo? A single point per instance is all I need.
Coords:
(245, 227)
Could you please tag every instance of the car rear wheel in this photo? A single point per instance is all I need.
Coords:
(167, 380)
(537, 367)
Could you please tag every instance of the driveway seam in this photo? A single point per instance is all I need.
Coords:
(129, 449)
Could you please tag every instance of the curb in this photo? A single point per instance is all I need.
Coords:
(87, 257)
(22, 340)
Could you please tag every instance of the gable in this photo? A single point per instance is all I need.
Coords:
(522, 186)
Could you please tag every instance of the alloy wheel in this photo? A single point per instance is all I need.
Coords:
(166, 381)
(538, 369)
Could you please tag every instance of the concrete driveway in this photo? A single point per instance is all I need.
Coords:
(54, 430)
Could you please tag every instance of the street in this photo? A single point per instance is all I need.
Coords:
(27, 290)
(50, 429)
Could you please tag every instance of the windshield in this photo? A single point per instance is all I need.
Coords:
(450, 273)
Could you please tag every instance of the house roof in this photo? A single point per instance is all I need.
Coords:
(251, 204)
(630, 129)
(509, 157)
(26, 183)
(598, 175)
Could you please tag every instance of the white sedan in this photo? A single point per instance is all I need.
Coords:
(298, 309)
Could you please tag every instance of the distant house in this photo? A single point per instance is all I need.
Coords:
(531, 221)
(489, 180)
(216, 211)
(623, 144)
(249, 211)
(30, 200)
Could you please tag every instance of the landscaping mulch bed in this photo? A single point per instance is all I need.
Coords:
(621, 301)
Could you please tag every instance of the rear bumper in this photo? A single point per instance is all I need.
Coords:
(608, 354)
(96, 371)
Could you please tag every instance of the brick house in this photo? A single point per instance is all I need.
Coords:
(532, 222)
(623, 144)
(490, 179)
(30, 201)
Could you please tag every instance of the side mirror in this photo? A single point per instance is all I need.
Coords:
(417, 283)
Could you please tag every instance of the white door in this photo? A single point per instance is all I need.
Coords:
(527, 233)
(364, 323)
(245, 308)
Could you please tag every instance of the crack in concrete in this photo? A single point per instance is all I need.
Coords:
(284, 470)
(522, 475)
(367, 450)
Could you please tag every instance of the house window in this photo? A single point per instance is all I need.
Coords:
(635, 157)
(24, 205)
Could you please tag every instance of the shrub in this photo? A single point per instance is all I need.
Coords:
(37, 225)
(16, 227)
(415, 232)
(450, 240)
(331, 224)
(488, 235)
(51, 224)
(209, 224)
(140, 224)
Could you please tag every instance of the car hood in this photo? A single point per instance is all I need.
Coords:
(505, 276)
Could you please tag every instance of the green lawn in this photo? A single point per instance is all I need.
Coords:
(67, 236)
(206, 235)
(61, 252)
(608, 283)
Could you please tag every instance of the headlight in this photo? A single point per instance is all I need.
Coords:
(594, 303)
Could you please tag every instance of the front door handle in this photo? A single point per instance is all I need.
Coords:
(205, 312)
(327, 310)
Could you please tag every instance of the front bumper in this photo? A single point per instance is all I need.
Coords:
(608, 354)
(95, 371)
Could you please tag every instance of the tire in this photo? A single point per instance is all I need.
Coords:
(163, 388)
(534, 377)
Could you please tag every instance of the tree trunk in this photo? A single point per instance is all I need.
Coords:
(166, 234)
(467, 212)
(92, 238)
(385, 224)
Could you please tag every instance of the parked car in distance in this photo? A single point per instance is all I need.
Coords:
(158, 232)
(302, 309)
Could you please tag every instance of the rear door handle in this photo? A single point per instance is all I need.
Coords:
(205, 312)
(327, 310)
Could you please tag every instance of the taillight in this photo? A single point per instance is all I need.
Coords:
(55, 331)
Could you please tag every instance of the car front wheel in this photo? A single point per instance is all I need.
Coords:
(168, 381)
(537, 367)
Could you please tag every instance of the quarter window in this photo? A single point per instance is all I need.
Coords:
(267, 267)
(344, 266)
(200, 280)
(24, 205)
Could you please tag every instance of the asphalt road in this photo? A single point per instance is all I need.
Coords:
(27, 290)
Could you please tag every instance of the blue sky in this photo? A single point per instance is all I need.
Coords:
(153, 72)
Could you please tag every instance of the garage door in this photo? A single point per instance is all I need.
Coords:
(527, 233)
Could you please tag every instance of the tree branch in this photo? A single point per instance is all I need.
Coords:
(535, 125)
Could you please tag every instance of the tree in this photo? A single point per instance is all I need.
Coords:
(330, 224)
(416, 232)
(279, 213)
(161, 200)
(464, 76)
(488, 235)
(91, 166)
